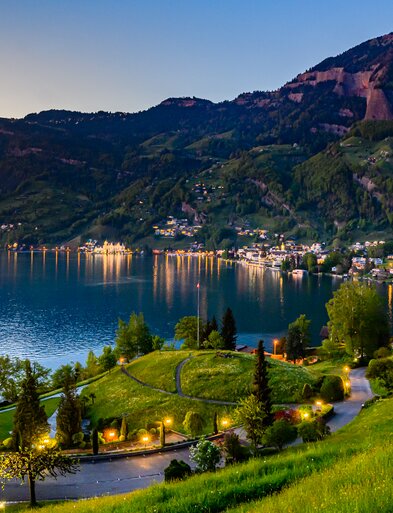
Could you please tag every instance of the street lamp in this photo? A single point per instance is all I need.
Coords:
(145, 440)
(318, 405)
(165, 424)
(275, 342)
(225, 423)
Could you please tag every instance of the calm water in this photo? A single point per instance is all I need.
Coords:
(55, 308)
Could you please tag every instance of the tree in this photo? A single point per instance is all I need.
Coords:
(228, 330)
(94, 441)
(69, 415)
(12, 375)
(123, 429)
(65, 373)
(134, 337)
(157, 343)
(280, 433)
(30, 420)
(358, 318)
(298, 338)
(187, 329)
(92, 366)
(250, 414)
(215, 423)
(107, 360)
(193, 423)
(262, 390)
(36, 464)
(310, 262)
(206, 455)
(215, 341)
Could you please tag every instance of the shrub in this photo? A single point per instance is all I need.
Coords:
(381, 369)
(153, 431)
(193, 423)
(382, 352)
(206, 455)
(280, 433)
(313, 431)
(177, 470)
(122, 438)
(233, 450)
(8, 443)
(77, 438)
(82, 445)
(307, 391)
(332, 389)
(142, 432)
(291, 415)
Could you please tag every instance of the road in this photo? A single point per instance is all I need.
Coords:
(127, 474)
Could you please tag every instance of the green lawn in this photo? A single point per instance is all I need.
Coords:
(159, 368)
(229, 379)
(348, 472)
(118, 395)
(6, 417)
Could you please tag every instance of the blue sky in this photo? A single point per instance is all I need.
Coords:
(129, 55)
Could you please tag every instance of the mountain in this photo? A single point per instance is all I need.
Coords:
(312, 158)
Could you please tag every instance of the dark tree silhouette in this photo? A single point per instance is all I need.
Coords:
(262, 390)
(228, 330)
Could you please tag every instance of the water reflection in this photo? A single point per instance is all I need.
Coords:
(59, 305)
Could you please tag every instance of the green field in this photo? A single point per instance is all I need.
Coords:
(118, 395)
(159, 368)
(229, 379)
(6, 417)
(206, 375)
(348, 472)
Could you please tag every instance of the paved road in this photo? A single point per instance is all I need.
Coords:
(345, 411)
(124, 475)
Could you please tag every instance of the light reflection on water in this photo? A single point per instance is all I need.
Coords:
(55, 307)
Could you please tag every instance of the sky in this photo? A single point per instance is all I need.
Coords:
(128, 55)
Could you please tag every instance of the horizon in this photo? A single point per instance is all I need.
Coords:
(130, 57)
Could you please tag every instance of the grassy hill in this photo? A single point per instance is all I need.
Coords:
(205, 375)
(348, 472)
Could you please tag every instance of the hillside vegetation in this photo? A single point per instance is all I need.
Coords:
(350, 471)
(265, 159)
(207, 375)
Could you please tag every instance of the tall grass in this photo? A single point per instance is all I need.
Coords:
(349, 472)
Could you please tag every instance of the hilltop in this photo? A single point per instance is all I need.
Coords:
(272, 160)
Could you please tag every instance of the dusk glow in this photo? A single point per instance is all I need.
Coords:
(130, 55)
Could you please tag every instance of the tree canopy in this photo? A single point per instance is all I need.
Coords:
(358, 318)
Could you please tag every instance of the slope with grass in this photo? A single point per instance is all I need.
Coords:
(158, 369)
(6, 417)
(350, 471)
(117, 395)
(211, 376)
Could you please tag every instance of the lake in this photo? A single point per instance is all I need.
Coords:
(55, 307)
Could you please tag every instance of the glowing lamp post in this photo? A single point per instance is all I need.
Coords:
(318, 405)
(275, 342)
(225, 423)
(145, 440)
(165, 424)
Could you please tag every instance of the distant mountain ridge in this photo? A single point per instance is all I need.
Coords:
(95, 166)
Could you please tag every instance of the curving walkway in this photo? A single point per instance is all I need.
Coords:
(179, 390)
(132, 473)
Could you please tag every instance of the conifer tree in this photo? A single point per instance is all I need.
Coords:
(69, 415)
(262, 390)
(228, 330)
(30, 419)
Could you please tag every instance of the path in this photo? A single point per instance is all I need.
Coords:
(179, 390)
(181, 394)
(131, 473)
